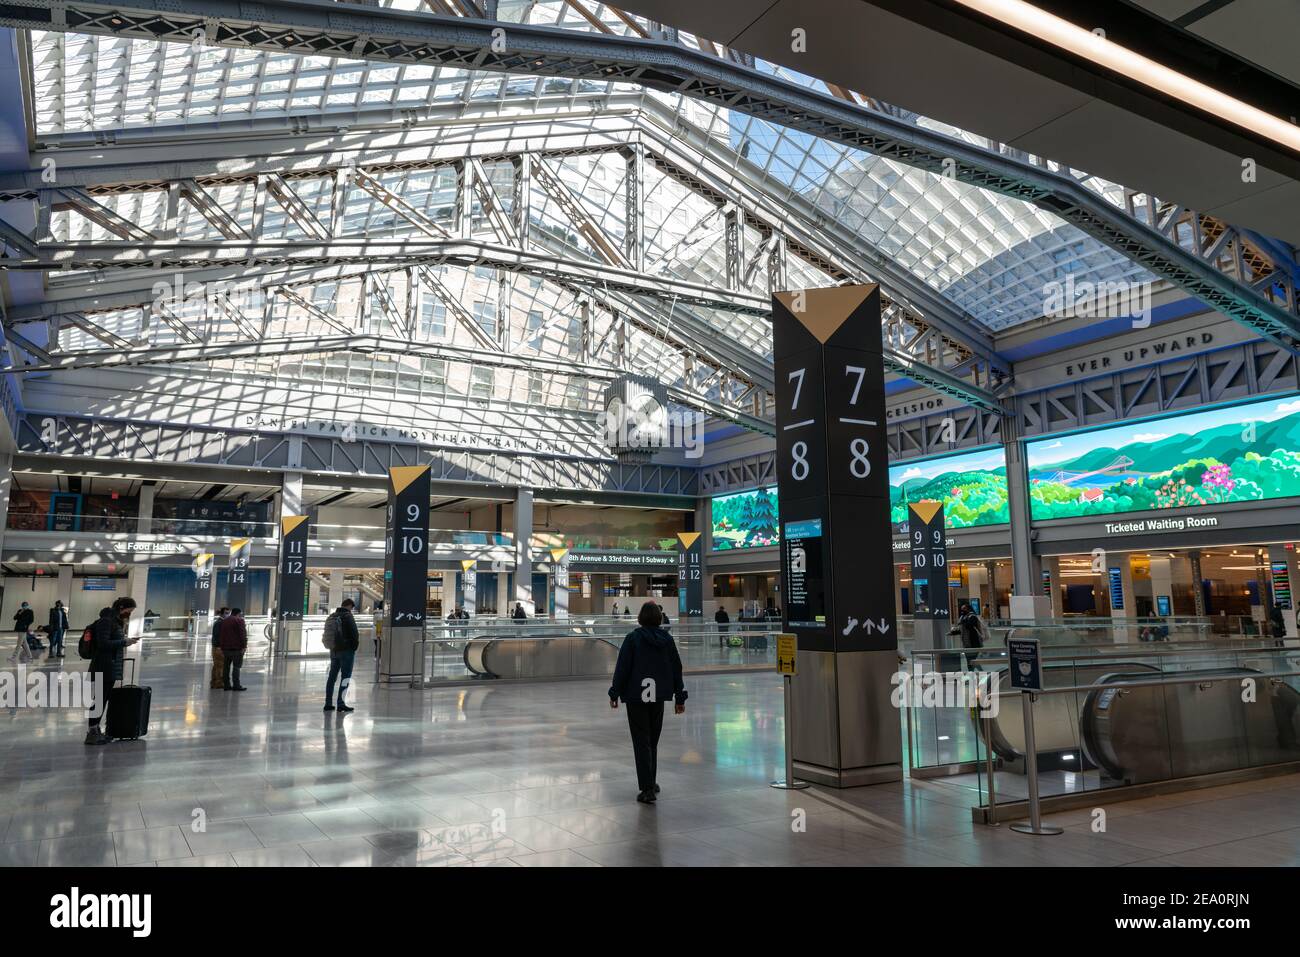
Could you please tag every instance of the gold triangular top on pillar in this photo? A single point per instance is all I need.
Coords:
(467, 563)
(824, 310)
(403, 475)
(688, 538)
(290, 522)
(557, 554)
(237, 543)
(202, 558)
(925, 509)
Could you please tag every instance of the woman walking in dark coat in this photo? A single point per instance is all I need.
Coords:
(647, 674)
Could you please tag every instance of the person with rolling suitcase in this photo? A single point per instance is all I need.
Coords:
(103, 643)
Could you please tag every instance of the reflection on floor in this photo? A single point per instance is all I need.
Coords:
(527, 774)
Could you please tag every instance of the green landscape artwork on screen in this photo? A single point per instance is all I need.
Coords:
(972, 487)
(1240, 453)
(745, 520)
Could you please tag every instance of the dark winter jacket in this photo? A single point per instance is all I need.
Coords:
(58, 619)
(110, 639)
(1276, 623)
(23, 619)
(721, 617)
(972, 630)
(234, 634)
(349, 638)
(216, 631)
(648, 654)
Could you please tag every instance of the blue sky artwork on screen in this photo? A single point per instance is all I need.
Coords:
(971, 485)
(1238, 453)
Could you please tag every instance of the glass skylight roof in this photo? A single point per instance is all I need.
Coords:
(989, 255)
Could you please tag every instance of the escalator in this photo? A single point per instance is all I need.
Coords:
(1137, 734)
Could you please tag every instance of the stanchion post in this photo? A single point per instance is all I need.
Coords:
(785, 665)
(1035, 825)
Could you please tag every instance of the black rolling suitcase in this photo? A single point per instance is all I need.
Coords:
(128, 712)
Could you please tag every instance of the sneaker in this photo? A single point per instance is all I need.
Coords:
(94, 737)
(238, 688)
(646, 797)
(345, 708)
(328, 707)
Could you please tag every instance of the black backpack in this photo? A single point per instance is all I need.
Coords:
(86, 643)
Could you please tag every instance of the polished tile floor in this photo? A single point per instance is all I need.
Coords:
(523, 775)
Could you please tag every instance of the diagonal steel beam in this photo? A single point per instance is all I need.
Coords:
(387, 35)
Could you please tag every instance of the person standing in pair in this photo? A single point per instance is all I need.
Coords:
(58, 628)
(217, 679)
(648, 672)
(234, 639)
(342, 656)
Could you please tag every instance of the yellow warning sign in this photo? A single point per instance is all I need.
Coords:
(786, 646)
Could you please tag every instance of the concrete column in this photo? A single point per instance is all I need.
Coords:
(291, 494)
(1028, 603)
(523, 550)
(144, 524)
(63, 590)
(336, 588)
(977, 576)
(1162, 582)
(504, 605)
(6, 483)
(138, 584)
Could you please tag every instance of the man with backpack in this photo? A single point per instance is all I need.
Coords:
(342, 639)
(217, 679)
(103, 643)
(971, 628)
(234, 639)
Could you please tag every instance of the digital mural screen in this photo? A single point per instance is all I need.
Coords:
(745, 520)
(971, 485)
(1241, 453)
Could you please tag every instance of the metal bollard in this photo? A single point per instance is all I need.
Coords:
(1035, 825)
(789, 782)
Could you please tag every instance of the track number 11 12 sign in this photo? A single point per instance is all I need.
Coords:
(833, 466)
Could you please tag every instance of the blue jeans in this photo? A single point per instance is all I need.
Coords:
(342, 662)
(56, 642)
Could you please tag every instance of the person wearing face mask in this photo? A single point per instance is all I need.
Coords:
(110, 640)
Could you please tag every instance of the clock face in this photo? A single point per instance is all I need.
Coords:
(648, 420)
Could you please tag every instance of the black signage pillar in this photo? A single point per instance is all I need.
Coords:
(237, 574)
(928, 537)
(690, 575)
(837, 544)
(292, 598)
(406, 570)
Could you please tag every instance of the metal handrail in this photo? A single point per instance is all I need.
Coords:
(1156, 682)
